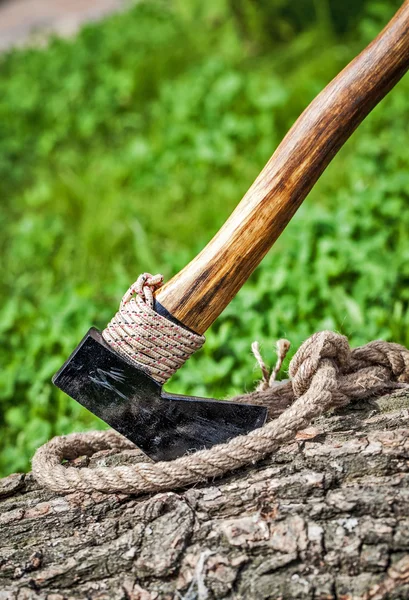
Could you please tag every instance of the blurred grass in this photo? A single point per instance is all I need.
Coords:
(124, 149)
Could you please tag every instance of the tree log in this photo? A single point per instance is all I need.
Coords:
(326, 517)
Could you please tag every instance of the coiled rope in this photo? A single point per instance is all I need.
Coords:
(324, 374)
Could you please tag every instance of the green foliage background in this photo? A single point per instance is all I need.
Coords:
(124, 149)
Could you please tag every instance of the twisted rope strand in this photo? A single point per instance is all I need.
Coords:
(325, 374)
(268, 378)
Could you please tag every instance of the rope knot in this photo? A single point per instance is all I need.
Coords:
(392, 357)
(143, 288)
(320, 347)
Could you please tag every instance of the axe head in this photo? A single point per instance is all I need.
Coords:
(163, 425)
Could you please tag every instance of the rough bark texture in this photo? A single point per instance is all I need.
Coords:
(326, 517)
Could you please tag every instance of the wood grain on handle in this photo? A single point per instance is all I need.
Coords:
(198, 294)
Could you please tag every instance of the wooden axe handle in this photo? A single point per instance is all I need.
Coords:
(198, 294)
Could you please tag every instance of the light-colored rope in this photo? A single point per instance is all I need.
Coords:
(147, 339)
(269, 379)
(324, 374)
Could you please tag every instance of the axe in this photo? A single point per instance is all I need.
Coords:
(118, 374)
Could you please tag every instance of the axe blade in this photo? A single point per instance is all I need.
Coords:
(165, 426)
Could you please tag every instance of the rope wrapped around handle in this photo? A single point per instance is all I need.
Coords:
(148, 339)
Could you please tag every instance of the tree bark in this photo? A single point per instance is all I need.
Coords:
(326, 517)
